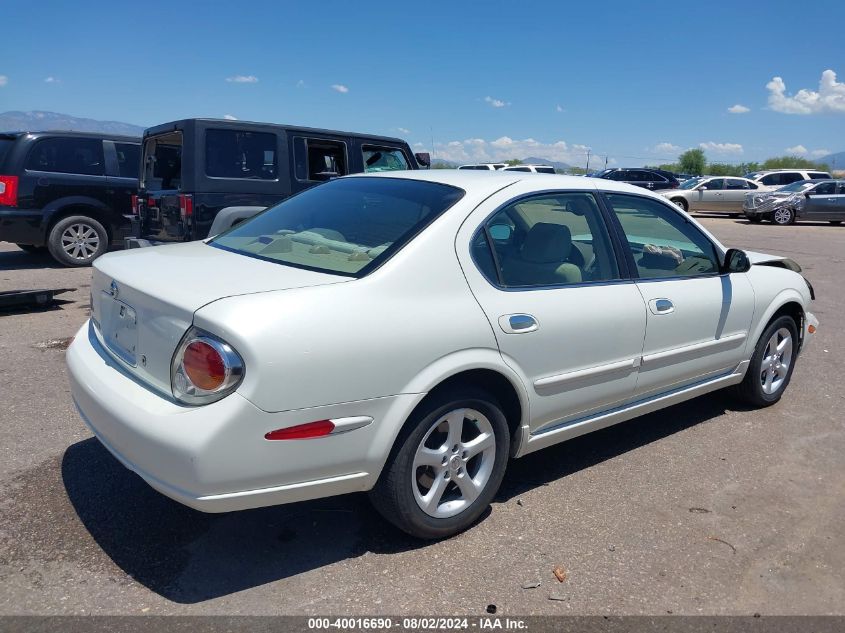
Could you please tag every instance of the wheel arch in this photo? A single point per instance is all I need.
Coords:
(787, 303)
(77, 205)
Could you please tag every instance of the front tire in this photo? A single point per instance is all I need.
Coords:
(446, 465)
(783, 216)
(681, 203)
(835, 222)
(771, 364)
(77, 240)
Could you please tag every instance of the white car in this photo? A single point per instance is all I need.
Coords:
(484, 166)
(534, 169)
(408, 333)
(772, 179)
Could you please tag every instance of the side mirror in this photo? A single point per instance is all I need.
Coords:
(701, 188)
(500, 232)
(424, 159)
(736, 261)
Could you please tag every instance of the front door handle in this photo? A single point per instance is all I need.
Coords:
(518, 323)
(661, 306)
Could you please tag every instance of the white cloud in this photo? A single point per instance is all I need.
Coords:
(51, 80)
(738, 109)
(404, 130)
(666, 148)
(230, 117)
(496, 103)
(504, 148)
(340, 88)
(300, 83)
(829, 98)
(818, 153)
(558, 108)
(798, 150)
(3, 80)
(243, 79)
(721, 148)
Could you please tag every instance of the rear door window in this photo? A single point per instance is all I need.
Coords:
(67, 156)
(545, 170)
(128, 159)
(735, 183)
(241, 154)
(318, 159)
(790, 177)
(384, 159)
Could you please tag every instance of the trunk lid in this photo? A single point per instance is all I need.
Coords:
(143, 300)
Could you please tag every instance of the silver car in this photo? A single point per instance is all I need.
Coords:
(712, 194)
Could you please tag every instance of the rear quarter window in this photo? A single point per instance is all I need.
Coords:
(67, 156)
(241, 154)
(5, 145)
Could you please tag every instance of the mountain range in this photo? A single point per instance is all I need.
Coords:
(38, 120)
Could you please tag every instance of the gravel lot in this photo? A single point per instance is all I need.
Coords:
(701, 508)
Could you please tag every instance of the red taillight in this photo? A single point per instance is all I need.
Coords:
(9, 191)
(204, 366)
(186, 205)
(151, 202)
(134, 204)
(320, 428)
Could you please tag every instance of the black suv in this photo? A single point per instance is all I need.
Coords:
(642, 177)
(201, 176)
(70, 192)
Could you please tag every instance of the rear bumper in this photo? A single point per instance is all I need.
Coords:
(22, 226)
(214, 458)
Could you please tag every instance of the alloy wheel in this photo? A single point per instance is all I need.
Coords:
(80, 241)
(453, 463)
(783, 216)
(777, 358)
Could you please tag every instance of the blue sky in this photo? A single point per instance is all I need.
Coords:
(637, 82)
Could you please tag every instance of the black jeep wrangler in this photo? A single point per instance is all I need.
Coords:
(202, 176)
(70, 192)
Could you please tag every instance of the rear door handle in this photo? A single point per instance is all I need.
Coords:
(518, 323)
(661, 306)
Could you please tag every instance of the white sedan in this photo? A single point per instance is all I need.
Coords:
(409, 333)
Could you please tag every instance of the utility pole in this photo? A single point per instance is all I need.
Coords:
(588, 162)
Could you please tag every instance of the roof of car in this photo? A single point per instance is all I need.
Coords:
(228, 123)
(72, 133)
(493, 181)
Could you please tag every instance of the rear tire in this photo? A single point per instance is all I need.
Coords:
(31, 248)
(771, 365)
(77, 240)
(446, 465)
(783, 216)
(835, 222)
(681, 203)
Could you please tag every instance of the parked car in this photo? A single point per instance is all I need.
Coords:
(817, 200)
(484, 166)
(67, 192)
(653, 179)
(201, 176)
(712, 195)
(407, 333)
(534, 169)
(776, 178)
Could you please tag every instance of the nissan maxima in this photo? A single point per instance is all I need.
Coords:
(408, 333)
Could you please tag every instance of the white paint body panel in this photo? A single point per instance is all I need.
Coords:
(318, 346)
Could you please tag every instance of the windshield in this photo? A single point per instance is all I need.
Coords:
(348, 226)
(692, 183)
(801, 185)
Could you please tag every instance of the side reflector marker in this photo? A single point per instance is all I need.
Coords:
(320, 428)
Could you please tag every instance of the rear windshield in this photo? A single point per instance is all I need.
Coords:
(347, 226)
(162, 162)
(5, 146)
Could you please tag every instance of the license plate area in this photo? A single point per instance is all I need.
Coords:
(119, 326)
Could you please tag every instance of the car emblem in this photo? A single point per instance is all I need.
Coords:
(114, 290)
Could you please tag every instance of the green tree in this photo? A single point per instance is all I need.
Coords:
(513, 161)
(792, 162)
(692, 162)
